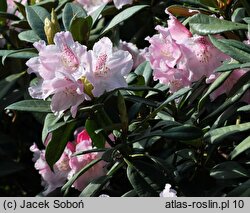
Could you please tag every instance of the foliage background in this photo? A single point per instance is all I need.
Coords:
(196, 157)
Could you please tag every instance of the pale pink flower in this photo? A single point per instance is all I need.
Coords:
(168, 192)
(83, 143)
(138, 55)
(175, 51)
(51, 179)
(59, 68)
(107, 68)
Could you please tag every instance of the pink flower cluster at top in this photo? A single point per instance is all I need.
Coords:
(68, 165)
(91, 5)
(64, 66)
(179, 58)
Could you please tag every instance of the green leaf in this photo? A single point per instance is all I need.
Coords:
(122, 16)
(48, 4)
(228, 170)
(71, 11)
(137, 99)
(59, 140)
(240, 148)
(145, 70)
(238, 52)
(122, 111)
(238, 14)
(95, 186)
(235, 94)
(243, 190)
(66, 187)
(218, 135)
(232, 66)
(244, 109)
(28, 36)
(80, 29)
(216, 84)
(182, 133)
(21, 8)
(3, 5)
(203, 24)
(50, 120)
(36, 16)
(95, 14)
(246, 5)
(174, 96)
(97, 139)
(226, 115)
(31, 106)
(142, 177)
(9, 16)
(23, 53)
(8, 82)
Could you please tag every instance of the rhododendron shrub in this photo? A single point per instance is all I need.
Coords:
(68, 164)
(125, 98)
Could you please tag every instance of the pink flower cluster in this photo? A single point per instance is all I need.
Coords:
(68, 165)
(179, 58)
(62, 69)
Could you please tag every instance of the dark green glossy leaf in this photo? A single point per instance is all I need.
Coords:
(71, 11)
(218, 135)
(21, 8)
(3, 5)
(232, 66)
(122, 111)
(233, 49)
(243, 190)
(122, 16)
(240, 148)
(182, 133)
(216, 84)
(50, 120)
(58, 142)
(95, 14)
(244, 109)
(227, 114)
(9, 16)
(97, 139)
(95, 187)
(246, 5)
(228, 170)
(142, 177)
(80, 29)
(203, 24)
(174, 96)
(31, 106)
(36, 16)
(235, 94)
(8, 82)
(238, 14)
(66, 187)
(22, 53)
(145, 70)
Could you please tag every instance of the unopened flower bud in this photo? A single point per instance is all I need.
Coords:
(51, 27)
